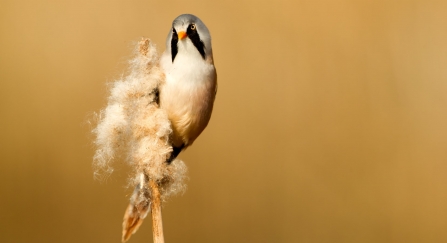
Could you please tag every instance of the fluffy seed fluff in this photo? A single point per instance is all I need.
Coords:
(133, 124)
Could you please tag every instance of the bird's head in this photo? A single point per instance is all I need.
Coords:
(189, 35)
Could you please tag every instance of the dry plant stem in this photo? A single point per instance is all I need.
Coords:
(133, 125)
(157, 222)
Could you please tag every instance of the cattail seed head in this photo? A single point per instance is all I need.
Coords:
(133, 124)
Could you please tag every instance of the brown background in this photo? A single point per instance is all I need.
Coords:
(330, 123)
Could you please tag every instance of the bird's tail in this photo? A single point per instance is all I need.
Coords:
(137, 210)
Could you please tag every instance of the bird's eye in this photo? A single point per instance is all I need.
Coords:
(173, 30)
(193, 27)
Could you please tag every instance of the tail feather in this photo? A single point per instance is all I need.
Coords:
(137, 210)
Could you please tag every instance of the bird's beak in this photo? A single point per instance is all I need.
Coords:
(181, 35)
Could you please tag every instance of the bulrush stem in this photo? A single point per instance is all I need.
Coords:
(157, 222)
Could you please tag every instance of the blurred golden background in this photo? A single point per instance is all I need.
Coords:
(330, 123)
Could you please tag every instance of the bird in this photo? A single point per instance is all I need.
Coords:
(187, 96)
(191, 81)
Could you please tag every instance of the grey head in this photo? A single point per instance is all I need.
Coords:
(188, 27)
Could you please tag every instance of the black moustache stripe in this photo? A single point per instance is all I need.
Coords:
(174, 41)
(195, 38)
